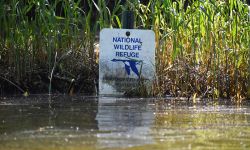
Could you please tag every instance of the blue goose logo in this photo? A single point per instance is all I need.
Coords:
(130, 64)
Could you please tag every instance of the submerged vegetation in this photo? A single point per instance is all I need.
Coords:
(202, 50)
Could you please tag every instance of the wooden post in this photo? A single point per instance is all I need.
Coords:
(127, 17)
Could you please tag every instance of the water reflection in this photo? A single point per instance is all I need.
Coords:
(124, 122)
(116, 123)
(64, 114)
(201, 126)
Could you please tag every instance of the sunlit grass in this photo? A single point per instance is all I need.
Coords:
(202, 50)
(29, 44)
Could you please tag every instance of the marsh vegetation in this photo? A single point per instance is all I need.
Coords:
(202, 50)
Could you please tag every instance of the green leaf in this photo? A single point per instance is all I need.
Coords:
(59, 18)
(118, 21)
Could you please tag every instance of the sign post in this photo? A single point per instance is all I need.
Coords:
(127, 59)
(127, 16)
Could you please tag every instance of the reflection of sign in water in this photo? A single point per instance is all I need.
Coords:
(125, 55)
(130, 64)
(125, 124)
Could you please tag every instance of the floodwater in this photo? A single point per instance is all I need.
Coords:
(89, 123)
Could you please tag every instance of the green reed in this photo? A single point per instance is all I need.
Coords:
(202, 50)
(29, 44)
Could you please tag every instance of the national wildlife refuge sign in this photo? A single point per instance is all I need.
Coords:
(127, 56)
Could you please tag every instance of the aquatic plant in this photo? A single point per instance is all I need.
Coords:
(33, 32)
(202, 49)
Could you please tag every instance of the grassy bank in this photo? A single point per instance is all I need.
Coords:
(47, 47)
(201, 50)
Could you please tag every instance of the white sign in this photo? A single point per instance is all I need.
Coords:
(126, 57)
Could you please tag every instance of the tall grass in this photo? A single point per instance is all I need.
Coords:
(32, 32)
(43, 41)
(201, 50)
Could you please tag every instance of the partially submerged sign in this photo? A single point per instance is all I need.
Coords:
(127, 57)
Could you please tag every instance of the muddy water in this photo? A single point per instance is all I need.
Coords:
(81, 123)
